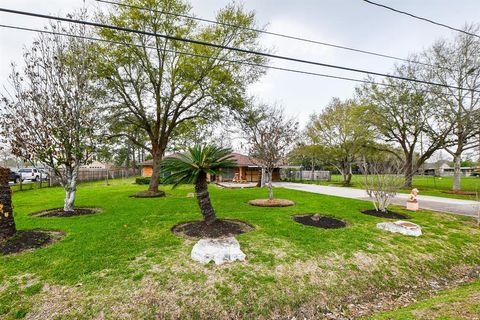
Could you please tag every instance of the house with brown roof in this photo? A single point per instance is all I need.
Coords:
(247, 169)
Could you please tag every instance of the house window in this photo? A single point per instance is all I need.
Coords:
(228, 173)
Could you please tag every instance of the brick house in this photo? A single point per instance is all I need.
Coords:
(248, 169)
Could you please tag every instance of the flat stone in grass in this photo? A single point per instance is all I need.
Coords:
(271, 203)
(220, 251)
(402, 227)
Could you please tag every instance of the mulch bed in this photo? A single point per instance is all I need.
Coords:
(461, 192)
(388, 214)
(320, 221)
(29, 239)
(220, 228)
(271, 203)
(148, 194)
(63, 214)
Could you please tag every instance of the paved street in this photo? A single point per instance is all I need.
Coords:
(448, 205)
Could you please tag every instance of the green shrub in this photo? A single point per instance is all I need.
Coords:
(145, 180)
(142, 180)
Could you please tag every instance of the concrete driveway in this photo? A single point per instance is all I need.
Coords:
(455, 206)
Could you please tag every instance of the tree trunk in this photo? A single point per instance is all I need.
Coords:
(313, 170)
(127, 159)
(262, 177)
(70, 188)
(7, 223)
(408, 169)
(457, 172)
(346, 174)
(155, 179)
(203, 199)
(69, 200)
(347, 180)
(270, 186)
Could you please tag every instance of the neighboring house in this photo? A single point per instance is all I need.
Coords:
(434, 168)
(466, 171)
(248, 169)
(442, 168)
(96, 165)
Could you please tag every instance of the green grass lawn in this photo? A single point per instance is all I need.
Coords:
(125, 262)
(458, 303)
(428, 185)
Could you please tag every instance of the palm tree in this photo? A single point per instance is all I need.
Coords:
(7, 224)
(193, 167)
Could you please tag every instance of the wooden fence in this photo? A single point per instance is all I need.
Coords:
(86, 175)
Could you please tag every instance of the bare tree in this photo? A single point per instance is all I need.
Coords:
(51, 115)
(270, 134)
(457, 63)
(158, 85)
(382, 180)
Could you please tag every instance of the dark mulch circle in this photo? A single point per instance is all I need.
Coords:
(29, 239)
(63, 214)
(149, 194)
(320, 221)
(388, 214)
(220, 228)
(271, 203)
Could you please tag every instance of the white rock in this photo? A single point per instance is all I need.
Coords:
(403, 227)
(219, 250)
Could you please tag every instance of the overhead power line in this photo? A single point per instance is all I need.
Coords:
(193, 54)
(43, 31)
(218, 46)
(276, 34)
(421, 18)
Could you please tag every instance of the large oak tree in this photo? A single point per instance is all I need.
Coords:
(342, 133)
(405, 115)
(156, 86)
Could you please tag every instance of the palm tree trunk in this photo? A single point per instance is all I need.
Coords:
(7, 223)
(203, 199)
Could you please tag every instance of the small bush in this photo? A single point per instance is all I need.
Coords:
(145, 180)
(142, 180)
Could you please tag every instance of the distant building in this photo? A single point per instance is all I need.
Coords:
(248, 169)
(96, 165)
(442, 168)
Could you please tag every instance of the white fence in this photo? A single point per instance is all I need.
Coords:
(288, 174)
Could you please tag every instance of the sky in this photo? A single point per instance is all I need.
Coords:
(352, 23)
